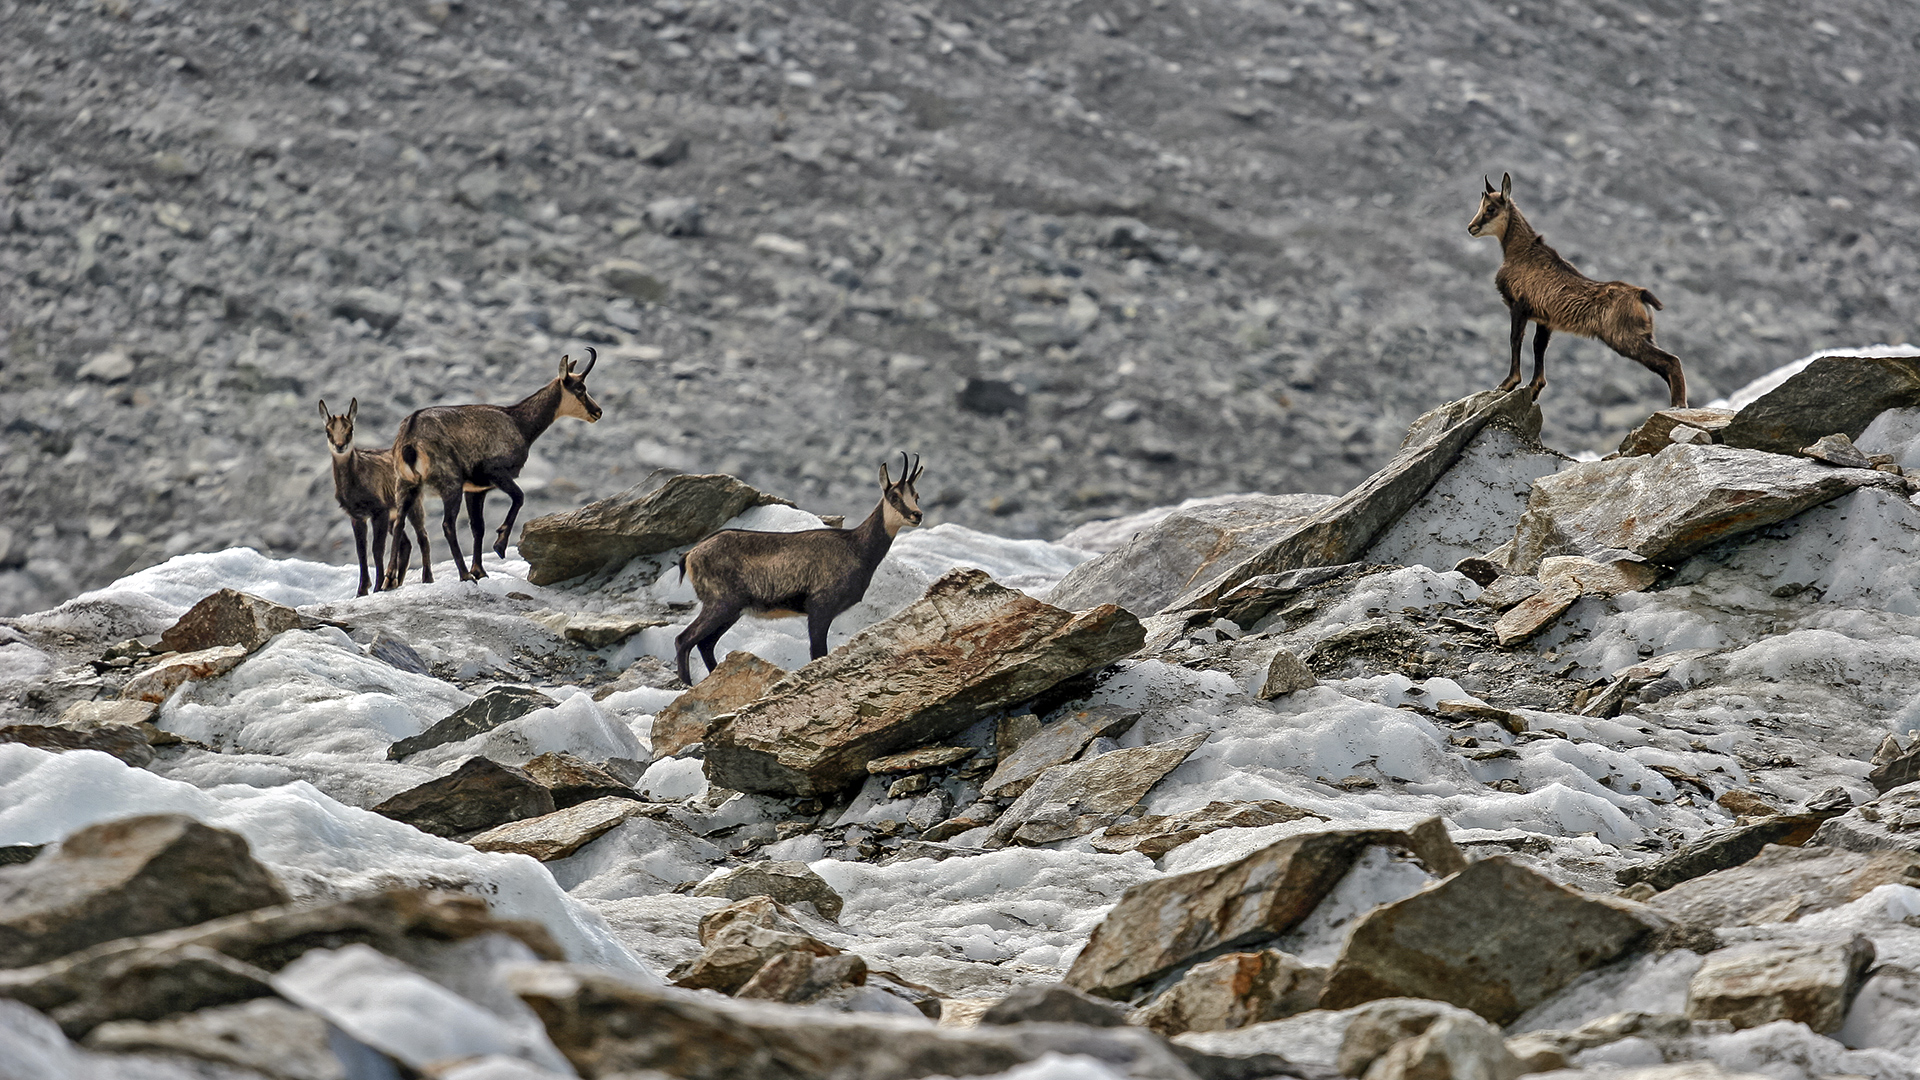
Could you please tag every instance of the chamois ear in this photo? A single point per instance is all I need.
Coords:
(1506, 184)
(885, 480)
(1489, 182)
(324, 414)
(566, 365)
(353, 409)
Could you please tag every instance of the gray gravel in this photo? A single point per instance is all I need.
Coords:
(1085, 258)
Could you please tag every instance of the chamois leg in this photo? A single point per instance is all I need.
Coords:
(818, 620)
(380, 548)
(449, 520)
(476, 517)
(409, 498)
(360, 548)
(513, 511)
(400, 559)
(1539, 383)
(705, 629)
(419, 517)
(1662, 363)
(1519, 333)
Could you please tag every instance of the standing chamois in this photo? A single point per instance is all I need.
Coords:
(475, 448)
(1541, 287)
(818, 572)
(363, 485)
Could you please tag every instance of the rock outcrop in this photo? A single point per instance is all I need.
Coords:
(1832, 394)
(741, 679)
(639, 521)
(966, 648)
(561, 833)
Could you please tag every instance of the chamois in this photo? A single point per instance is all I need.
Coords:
(1541, 287)
(475, 448)
(817, 572)
(363, 485)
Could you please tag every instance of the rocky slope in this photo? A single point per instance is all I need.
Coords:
(1631, 791)
(1087, 258)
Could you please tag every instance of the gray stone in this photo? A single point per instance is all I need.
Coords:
(1782, 884)
(1496, 938)
(1410, 1039)
(1164, 923)
(1076, 798)
(1345, 528)
(1668, 506)
(1809, 983)
(1055, 744)
(1669, 426)
(663, 152)
(158, 682)
(927, 757)
(1898, 770)
(377, 309)
(639, 521)
(677, 217)
(475, 797)
(967, 648)
(1233, 991)
(1157, 834)
(631, 279)
(1147, 572)
(129, 744)
(1054, 1003)
(1833, 393)
(788, 881)
(739, 939)
(1890, 822)
(559, 834)
(396, 653)
(1508, 590)
(800, 977)
(1837, 449)
(120, 878)
(229, 617)
(476, 717)
(741, 679)
(265, 1035)
(1724, 848)
(111, 366)
(1286, 673)
(573, 781)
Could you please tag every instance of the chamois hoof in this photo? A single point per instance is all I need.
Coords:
(500, 548)
(1533, 391)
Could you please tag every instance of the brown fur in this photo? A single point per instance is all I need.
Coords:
(1542, 288)
(365, 487)
(817, 572)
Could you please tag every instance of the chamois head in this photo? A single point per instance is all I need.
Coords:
(340, 428)
(574, 399)
(1495, 206)
(901, 501)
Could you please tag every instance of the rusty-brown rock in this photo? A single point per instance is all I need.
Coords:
(1657, 432)
(965, 649)
(120, 878)
(1161, 924)
(229, 617)
(739, 939)
(1496, 938)
(1076, 798)
(740, 680)
(1808, 982)
(169, 673)
(1233, 991)
(605, 535)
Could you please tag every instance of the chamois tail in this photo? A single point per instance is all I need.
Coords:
(1652, 301)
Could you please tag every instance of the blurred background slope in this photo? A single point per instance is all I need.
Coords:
(1085, 257)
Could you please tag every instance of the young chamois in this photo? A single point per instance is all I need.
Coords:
(1541, 287)
(476, 448)
(818, 573)
(363, 485)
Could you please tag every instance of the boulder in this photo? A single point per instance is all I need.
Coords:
(630, 278)
(1898, 770)
(1186, 547)
(1345, 528)
(605, 535)
(1157, 834)
(1890, 822)
(134, 978)
(1076, 798)
(1055, 744)
(229, 617)
(1233, 991)
(265, 1035)
(1457, 709)
(799, 977)
(741, 679)
(1054, 1003)
(967, 648)
(475, 797)
(1496, 938)
(476, 717)
(129, 744)
(1665, 507)
(1837, 449)
(1781, 884)
(1833, 393)
(1286, 673)
(786, 881)
(927, 757)
(561, 833)
(1545, 1049)
(1670, 426)
(607, 1026)
(169, 673)
(1723, 848)
(1408, 1039)
(1379, 1026)
(573, 781)
(1472, 506)
(1809, 982)
(1163, 924)
(120, 878)
(739, 939)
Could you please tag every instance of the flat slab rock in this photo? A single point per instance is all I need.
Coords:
(608, 533)
(1809, 983)
(475, 797)
(561, 833)
(484, 713)
(159, 681)
(1076, 798)
(967, 647)
(1055, 744)
(1832, 394)
(741, 679)
(1724, 848)
(1782, 884)
(1890, 822)
(1157, 834)
(1162, 924)
(1496, 938)
(1670, 426)
(1668, 506)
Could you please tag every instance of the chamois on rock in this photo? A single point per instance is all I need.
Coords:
(818, 573)
(1542, 288)
(472, 449)
(364, 486)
